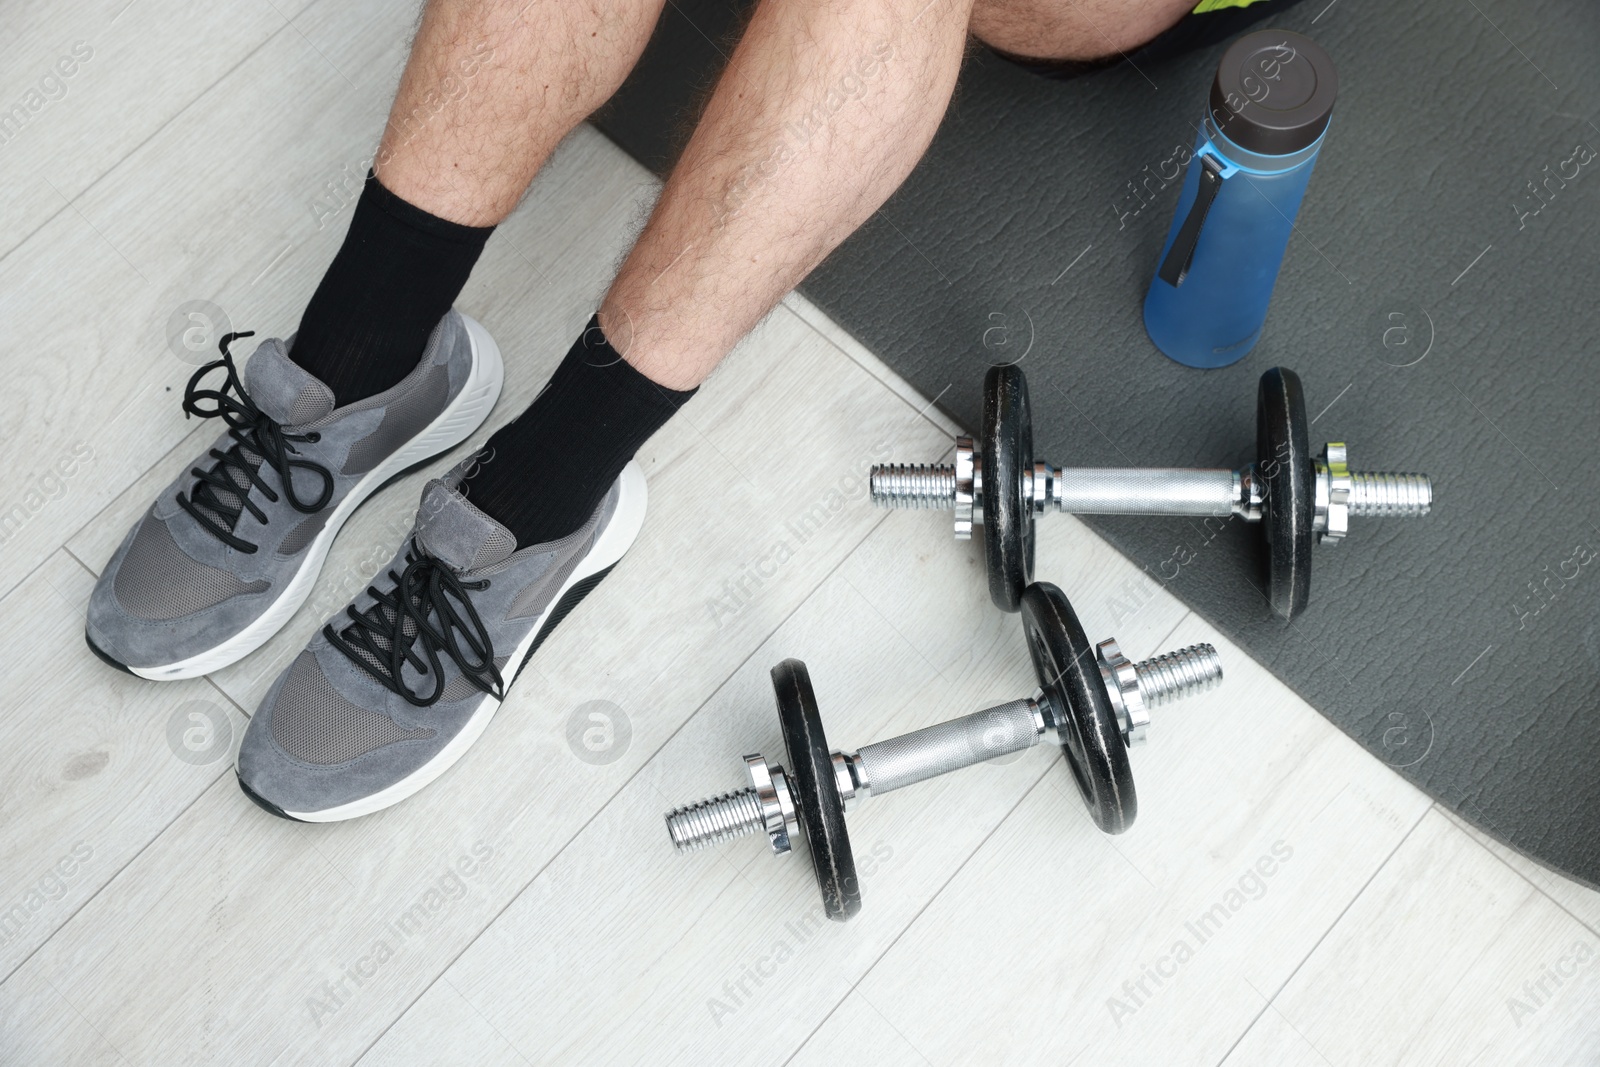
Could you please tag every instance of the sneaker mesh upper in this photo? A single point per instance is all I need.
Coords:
(313, 723)
(304, 532)
(309, 405)
(403, 419)
(496, 546)
(159, 581)
(461, 687)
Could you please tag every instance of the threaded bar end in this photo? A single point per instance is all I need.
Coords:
(1172, 675)
(715, 819)
(1388, 496)
(914, 485)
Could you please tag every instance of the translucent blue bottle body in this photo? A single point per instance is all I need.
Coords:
(1214, 316)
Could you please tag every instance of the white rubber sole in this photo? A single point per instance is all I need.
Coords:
(614, 540)
(455, 424)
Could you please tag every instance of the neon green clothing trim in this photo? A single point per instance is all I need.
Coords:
(1216, 5)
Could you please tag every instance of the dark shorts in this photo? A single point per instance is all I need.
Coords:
(1192, 31)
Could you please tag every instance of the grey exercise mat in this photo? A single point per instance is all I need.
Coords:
(1439, 308)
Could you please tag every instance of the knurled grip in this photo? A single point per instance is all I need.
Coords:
(1156, 491)
(948, 746)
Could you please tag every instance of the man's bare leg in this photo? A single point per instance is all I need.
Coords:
(488, 92)
(824, 108)
(491, 89)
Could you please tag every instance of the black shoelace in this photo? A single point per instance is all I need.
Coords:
(420, 610)
(220, 496)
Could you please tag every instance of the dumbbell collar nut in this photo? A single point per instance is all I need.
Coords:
(968, 489)
(1039, 486)
(850, 778)
(1249, 501)
(778, 814)
(1331, 494)
(1122, 687)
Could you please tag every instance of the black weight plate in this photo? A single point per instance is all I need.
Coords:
(816, 794)
(1283, 460)
(1069, 674)
(1007, 448)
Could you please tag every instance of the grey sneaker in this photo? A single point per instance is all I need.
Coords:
(397, 687)
(230, 550)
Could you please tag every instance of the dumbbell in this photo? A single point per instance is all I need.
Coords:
(1298, 499)
(1090, 698)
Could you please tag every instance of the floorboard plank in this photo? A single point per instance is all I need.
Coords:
(83, 93)
(1581, 902)
(444, 1030)
(94, 763)
(858, 1026)
(38, 1026)
(1448, 957)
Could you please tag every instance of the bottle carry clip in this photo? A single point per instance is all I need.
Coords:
(1213, 171)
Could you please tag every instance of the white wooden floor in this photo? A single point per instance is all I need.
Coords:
(1285, 901)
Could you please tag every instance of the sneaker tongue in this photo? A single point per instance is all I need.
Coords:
(449, 528)
(282, 389)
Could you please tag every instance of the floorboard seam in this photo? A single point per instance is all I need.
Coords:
(158, 835)
(923, 413)
(1336, 920)
(1454, 818)
(169, 120)
(976, 848)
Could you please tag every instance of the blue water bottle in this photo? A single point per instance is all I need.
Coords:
(1270, 104)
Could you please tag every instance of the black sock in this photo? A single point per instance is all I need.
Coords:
(544, 473)
(395, 276)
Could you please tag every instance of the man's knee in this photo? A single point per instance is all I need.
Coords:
(1073, 29)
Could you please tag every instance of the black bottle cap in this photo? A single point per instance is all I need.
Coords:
(1273, 92)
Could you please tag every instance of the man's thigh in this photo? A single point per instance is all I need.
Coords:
(1069, 37)
(1080, 30)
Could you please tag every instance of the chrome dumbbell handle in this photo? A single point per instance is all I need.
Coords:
(1153, 491)
(1133, 688)
(884, 766)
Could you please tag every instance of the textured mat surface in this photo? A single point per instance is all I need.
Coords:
(1440, 309)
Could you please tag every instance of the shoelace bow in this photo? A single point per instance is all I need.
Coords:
(425, 595)
(254, 432)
